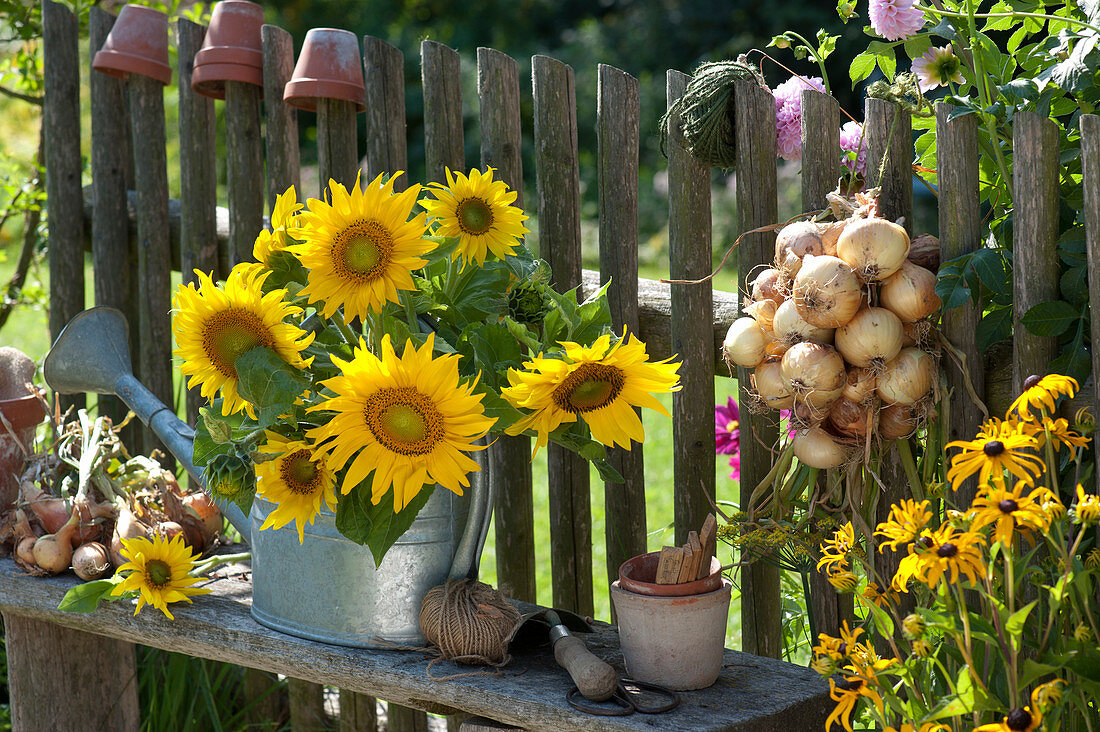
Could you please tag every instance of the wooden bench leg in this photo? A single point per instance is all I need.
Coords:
(481, 724)
(358, 712)
(307, 705)
(62, 679)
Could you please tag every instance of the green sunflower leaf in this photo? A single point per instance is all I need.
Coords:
(376, 525)
(85, 597)
(269, 383)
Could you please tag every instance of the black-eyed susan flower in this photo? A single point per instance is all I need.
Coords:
(846, 694)
(601, 383)
(913, 626)
(1060, 434)
(1049, 695)
(1087, 510)
(1022, 719)
(950, 553)
(298, 481)
(214, 326)
(1092, 559)
(407, 420)
(361, 247)
(159, 569)
(1049, 501)
(875, 594)
(999, 446)
(1007, 510)
(834, 551)
(926, 727)
(1082, 633)
(904, 523)
(922, 648)
(479, 212)
(1040, 396)
(843, 580)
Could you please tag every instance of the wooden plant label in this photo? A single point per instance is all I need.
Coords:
(669, 565)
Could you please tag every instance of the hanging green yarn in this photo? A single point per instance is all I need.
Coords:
(904, 92)
(706, 111)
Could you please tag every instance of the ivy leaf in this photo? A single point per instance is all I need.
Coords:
(269, 382)
(85, 597)
(1051, 318)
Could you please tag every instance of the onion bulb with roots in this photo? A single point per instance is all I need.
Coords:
(91, 561)
(906, 378)
(53, 552)
(874, 248)
(910, 293)
(826, 291)
(794, 242)
(815, 372)
(770, 284)
(816, 448)
(851, 419)
(896, 421)
(860, 385)
(870, 339)
(763, 312)
(830, 234)
(790, 328)
(746, 343)
(771, 387)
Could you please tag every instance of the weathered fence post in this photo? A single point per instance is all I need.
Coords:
(1034, 233)
(509, 457)
(384, 74)
(283, 156)
(757, 205)
(111, 255)
(617, 129)
(442, 83)
(820, 168)
(1090, 169)
(64, 199)
(960, 233)
(557, 172)
(244, 169)
(198, 178)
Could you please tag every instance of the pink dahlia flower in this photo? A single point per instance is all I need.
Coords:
(851, 139)
(937, 67)
(788, 114)
(895, 20)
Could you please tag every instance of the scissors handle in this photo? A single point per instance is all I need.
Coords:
(672, 699)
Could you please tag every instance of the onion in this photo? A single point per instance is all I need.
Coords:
(90, 561)
(910, 293)
(763, 312)
(896, 421)
(50, 510)
(168, 530)
(830, 234)
(771, 387)
(816, 448)
(860, 385)
(746, 343)
(924, 251)
(815, 372)
(790, 328)
(770, 284)
(874, 248)
(24, 550)
(907, 378)
(908, 335)
(126, 527)
(53, 552)
(826, 291)
(794, 242)
(870, 339)
(851, 418)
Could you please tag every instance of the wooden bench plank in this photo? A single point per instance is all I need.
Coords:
(752, 693)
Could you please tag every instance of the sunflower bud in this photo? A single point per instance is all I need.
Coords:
(913, 626)
(527, 303)
(231, 477)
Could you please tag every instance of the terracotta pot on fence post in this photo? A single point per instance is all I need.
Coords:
(330, 67)
(671, 634)
(137, 44)
(21, 411)
(232, 49)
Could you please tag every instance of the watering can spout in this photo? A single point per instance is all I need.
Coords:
(92, 354)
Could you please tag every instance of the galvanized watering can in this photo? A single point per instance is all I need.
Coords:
(327, 589)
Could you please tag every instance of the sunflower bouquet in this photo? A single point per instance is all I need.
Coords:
(379, 341)
(990, 622)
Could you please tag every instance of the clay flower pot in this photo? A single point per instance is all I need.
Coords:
(639, 574)
(24, 414)
(330, 67)
(232, 49)
(137, 44)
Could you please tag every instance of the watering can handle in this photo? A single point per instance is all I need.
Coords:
(465, 562)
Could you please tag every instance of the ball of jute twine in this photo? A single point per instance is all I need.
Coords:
(469, 622)
(705, 111)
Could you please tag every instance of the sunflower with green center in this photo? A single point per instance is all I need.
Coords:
(159, 570)
(1042, 394)
(283, 215)
(298, 481)
(479, 212)
(943, 551)
(214, 326)
(360, 247)
(999, 446)
(408, 420)
(601, 383)
(1007, 510)
(904, 523)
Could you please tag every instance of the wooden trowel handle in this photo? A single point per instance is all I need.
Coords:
(594, 678)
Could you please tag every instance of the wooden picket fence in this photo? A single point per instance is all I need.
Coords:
(128, 125)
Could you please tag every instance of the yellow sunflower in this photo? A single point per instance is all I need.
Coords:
(603, 383)
(479, 211)
(407, 419)
(214, 326)
(1087, 510)
(158, 568)
(999, 446)
(1007, 509)
(1042, 394)
(283, 215)
(298, 481)
(943, 551)
(904, 523)
(361, 247)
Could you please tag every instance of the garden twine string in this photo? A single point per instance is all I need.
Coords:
(469, 622)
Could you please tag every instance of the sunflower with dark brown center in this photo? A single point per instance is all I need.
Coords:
(602, 384)
(479, 212)
(298, 481)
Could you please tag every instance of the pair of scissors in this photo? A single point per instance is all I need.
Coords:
(630, 696)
